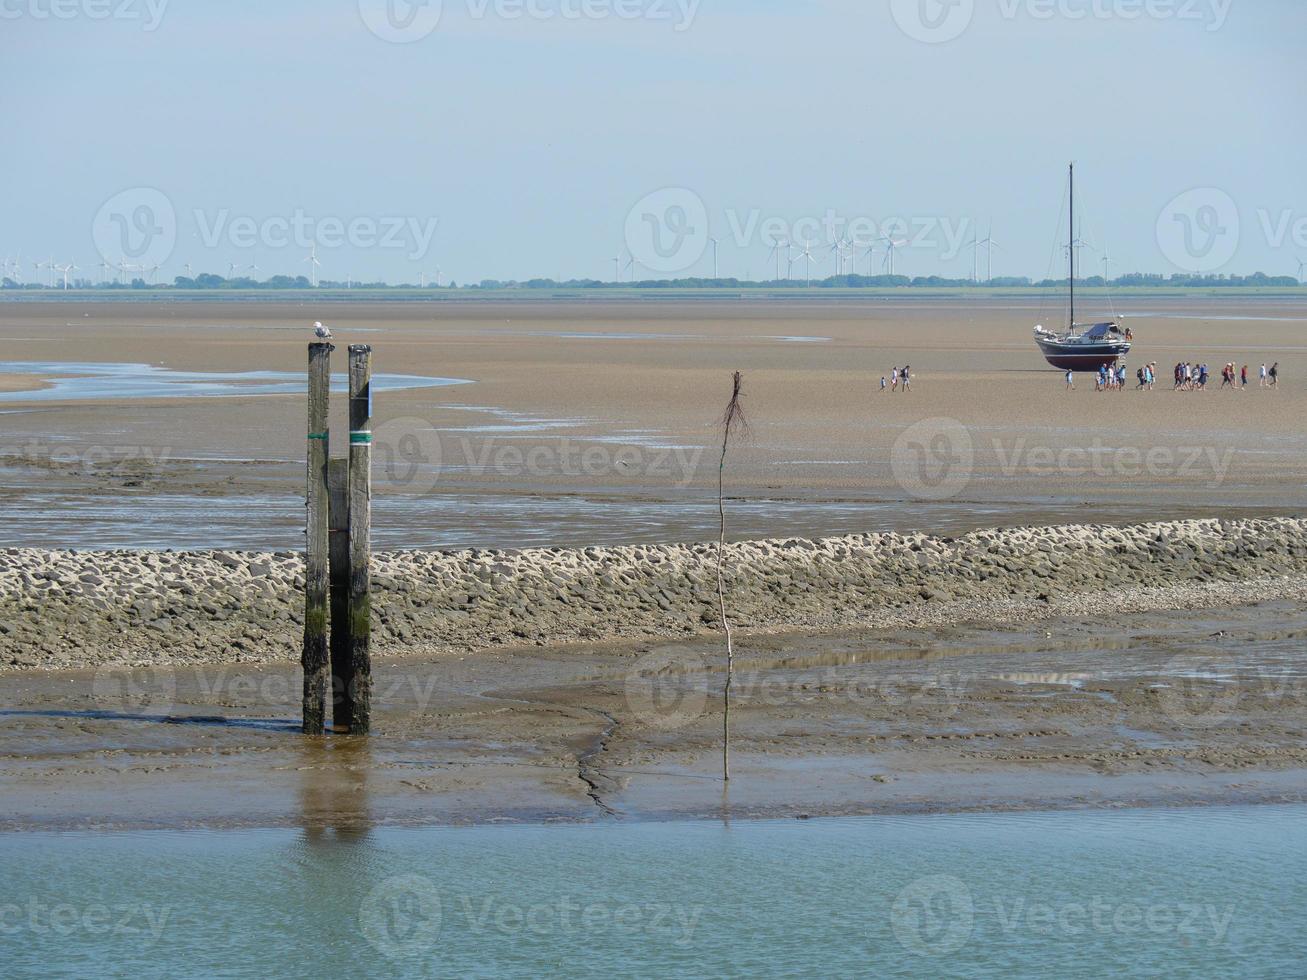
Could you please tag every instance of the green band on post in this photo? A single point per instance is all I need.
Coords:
(361, 437)
(318, 435)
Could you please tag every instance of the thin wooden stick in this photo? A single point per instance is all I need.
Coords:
(733, 418)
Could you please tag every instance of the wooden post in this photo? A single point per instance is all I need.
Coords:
(342, 664)
(360, 516)
(313, 658)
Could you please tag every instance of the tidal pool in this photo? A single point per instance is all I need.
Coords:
(78, 381)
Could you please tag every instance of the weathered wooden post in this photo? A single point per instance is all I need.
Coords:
(342, 664)
(360, 516)
(313, 658)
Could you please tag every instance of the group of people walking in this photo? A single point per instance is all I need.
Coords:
(1195, 377)
(1188, 377)
(899, 376)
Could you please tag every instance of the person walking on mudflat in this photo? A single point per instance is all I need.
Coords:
(1070, 380)
(1275, 374)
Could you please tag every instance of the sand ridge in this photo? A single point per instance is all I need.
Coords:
(63, 609)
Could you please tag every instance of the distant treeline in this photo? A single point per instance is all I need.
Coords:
(211, 281)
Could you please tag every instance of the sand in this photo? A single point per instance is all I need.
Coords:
(1130, 710)
(1087, 665)
(987, 424)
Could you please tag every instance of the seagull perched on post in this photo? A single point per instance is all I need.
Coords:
(321, 332)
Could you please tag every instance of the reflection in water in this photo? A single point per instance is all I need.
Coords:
(334, 803)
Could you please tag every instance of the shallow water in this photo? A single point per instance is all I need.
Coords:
(1201, 892)
(275, 522)
(72, 380)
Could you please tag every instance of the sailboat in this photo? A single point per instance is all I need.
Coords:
(1082, 347)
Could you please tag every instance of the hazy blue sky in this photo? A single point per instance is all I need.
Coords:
(514, 138)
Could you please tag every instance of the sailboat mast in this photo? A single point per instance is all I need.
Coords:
(1071, 246)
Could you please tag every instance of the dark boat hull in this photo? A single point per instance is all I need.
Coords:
(1082, 357)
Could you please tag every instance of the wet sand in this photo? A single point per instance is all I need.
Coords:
(609, 408)
(1205, 707)
(1037, 700)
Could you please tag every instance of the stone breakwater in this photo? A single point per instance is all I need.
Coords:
(62, 609)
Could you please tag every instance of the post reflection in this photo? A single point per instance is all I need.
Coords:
(334, 799)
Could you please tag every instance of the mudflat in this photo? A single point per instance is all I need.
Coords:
(1139, 709)
(594, 422)
(985, 592)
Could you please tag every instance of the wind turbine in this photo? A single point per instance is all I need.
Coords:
(312, 260)
(65, 269)
(776, 251)
(104, 270)
(253, 268)
(189, 274)
(617, 267)
(714, 257)
(988, 244)
(1302, 264)
(1107, 266)
(870, 253)
(975, 260)
(807, 257)
(891, 245)
(629, 268)
(1073, 259)
(837, 249)
(38, 266)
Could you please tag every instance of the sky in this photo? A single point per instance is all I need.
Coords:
(511, 139)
